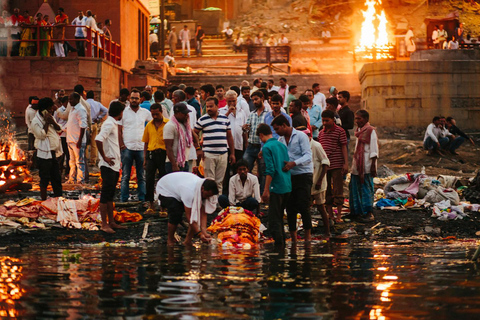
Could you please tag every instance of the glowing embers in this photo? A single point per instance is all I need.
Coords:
(10, 289)
(374, 43)
(14, 174)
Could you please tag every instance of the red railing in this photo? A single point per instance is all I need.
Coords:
(96, 45)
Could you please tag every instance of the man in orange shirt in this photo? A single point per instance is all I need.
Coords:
(61, 20)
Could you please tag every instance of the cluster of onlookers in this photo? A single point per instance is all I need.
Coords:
(239, 44)
(298, 144)
(25, 30)
(443, 136)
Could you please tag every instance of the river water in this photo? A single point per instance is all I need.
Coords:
(321, 281)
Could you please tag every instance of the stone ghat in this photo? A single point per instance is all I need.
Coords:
(410, 93)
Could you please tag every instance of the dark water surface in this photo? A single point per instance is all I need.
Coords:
(324, 281)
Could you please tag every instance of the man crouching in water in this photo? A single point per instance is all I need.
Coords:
(181, 192)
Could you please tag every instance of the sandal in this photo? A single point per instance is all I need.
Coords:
(149, 211)
(163, 214)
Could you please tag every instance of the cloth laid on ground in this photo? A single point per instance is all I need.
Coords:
(382, 203)
(443, 210)
(78, 214)
(236, 226)
(447, 181)
(440, 193)
(67, 213)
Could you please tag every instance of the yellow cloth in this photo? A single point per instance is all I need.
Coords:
(154, 136)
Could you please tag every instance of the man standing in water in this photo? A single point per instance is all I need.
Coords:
(181, 192)
(109, 150)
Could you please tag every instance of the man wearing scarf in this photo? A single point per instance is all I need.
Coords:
(364, 168)
(47, 142)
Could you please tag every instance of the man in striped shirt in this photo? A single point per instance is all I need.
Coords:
(217, 142)
(334, 142)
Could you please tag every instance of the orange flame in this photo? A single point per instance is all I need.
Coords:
(374, 35)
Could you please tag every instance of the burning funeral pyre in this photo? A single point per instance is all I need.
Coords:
(374, 41)
(14, 173)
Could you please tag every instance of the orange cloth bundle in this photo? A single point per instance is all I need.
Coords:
(236, 226)
(125, 216)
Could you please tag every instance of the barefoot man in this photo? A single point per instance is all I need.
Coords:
(109, 150)
(181, 192)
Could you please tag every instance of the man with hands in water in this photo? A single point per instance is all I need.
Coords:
(181, 192)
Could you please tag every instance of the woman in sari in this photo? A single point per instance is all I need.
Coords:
(44, 34)
(27, 47)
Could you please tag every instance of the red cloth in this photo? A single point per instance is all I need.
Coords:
(363, 135)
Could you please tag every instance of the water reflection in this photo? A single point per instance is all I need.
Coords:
(10, 287)
(320, 281)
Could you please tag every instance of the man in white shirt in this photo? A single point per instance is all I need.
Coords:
(109, 149)
(49, 148)
(80, 33)
(131, 129)
(364, 169)
(92, 23)
(184, 192)
(185, 37)
(152, 38)
(271, 86)
(435, 39)
(77, 125)
(29, 115)
(318, 97)
(65, 158)
(436, 137)
(97, 113)
(123, 97)
(179, 96)
(244, 189)
(179, 139)
(283, 40)
(237, 118)
(228, 32)
(238, 44)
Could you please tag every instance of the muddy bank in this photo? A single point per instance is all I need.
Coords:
(397, 226)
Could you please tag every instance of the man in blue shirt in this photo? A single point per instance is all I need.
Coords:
(314, 112)
(278, 183)
(276, 105)
(300, 166)
(145, 98)
(191, 100)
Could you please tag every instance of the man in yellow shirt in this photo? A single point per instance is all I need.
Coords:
(154, 152)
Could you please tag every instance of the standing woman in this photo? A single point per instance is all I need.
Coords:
(26, 47)
(42, 35)
(47, 45)
(409, 43)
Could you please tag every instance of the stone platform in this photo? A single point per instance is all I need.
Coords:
(410, 93)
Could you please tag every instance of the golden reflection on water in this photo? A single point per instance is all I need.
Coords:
(10, 289)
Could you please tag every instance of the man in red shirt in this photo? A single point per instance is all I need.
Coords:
(334, 142)
(16, 20)
(61, 20)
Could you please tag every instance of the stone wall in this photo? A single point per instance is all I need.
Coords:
(410, 93)
(35, 76)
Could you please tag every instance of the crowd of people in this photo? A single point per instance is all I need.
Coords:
(298, 144)
(23, 28)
